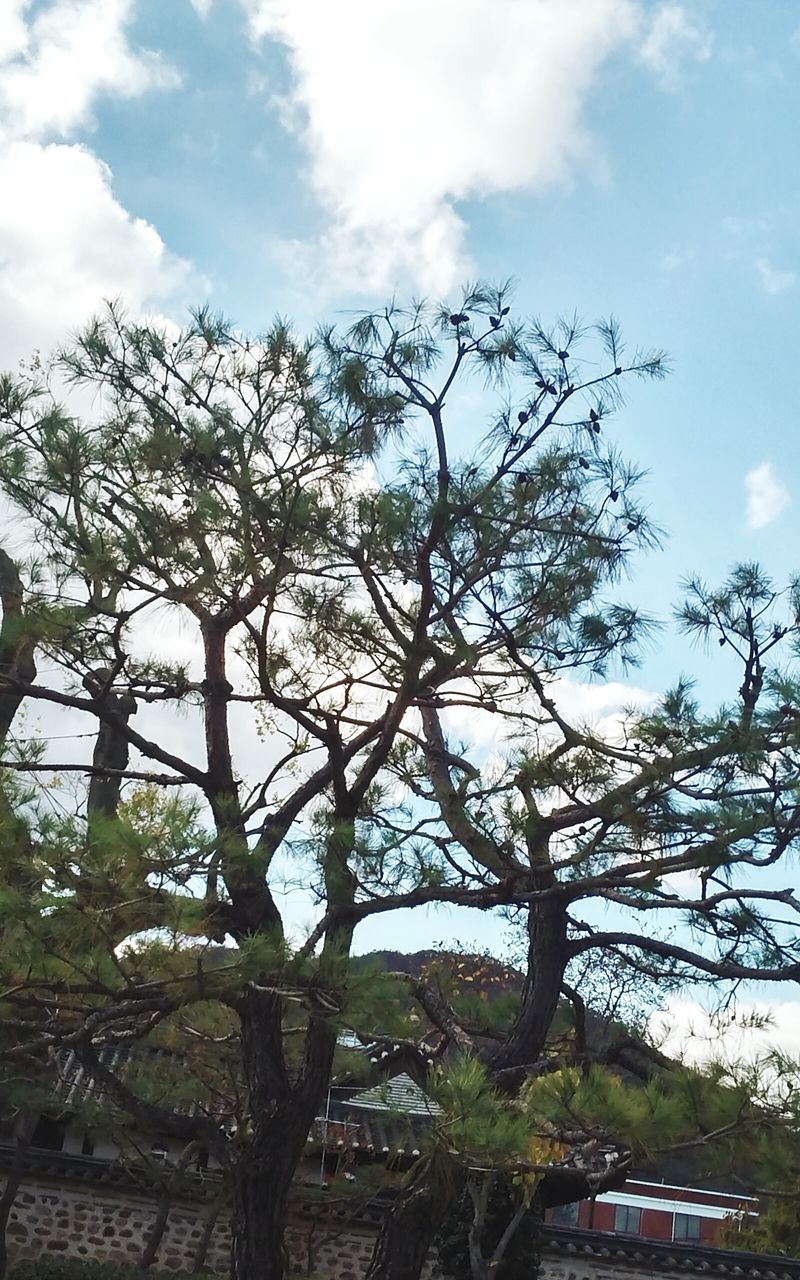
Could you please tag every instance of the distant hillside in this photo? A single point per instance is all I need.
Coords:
(477, 975)
(486, 979)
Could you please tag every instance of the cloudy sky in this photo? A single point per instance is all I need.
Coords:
(306, 157)
(629, 156)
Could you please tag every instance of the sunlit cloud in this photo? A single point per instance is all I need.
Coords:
(767, 496)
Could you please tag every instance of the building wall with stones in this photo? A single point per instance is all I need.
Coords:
(111, 1223)
(105, 1224)
(593, 1269)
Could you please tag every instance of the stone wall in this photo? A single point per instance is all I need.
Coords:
(599, 1269)
(111, 1224)
(107, 1224)
(594, 1268)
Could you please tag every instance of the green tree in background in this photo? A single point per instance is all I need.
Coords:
(680, 822)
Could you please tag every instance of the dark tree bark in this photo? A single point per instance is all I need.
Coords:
(17, 665)
(23, 1132)
(548, 956)
(404, 1242)
(261, 1184)
(209, 1223)
(282, 1112)
(111, 749)
(156, 1234)
(167, 1189)
(16, 649)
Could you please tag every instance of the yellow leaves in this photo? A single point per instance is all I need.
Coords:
(525, 1184)
(543, 1150)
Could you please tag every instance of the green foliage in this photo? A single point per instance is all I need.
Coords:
(722, 1119)
(475, 1124)
(773, 1159)
(336, 566)
(776, 1229)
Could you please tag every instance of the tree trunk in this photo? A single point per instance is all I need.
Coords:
(209, 1223)
(259, 1216)
(409, 1227)
(156, 1233)
(548, 956)
(16, 649)
(261, 1184)
(479, 1195)
(23, 1132)
(281, 1115)
(404, 1242)
(111, 748)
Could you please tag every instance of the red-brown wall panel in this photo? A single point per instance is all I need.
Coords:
(656, 1224)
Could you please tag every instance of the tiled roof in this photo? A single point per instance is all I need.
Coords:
(80, 1168)
(76, 1087)
(368, 1134)
(398, 1094)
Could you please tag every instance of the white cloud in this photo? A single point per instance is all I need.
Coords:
(65, 240)
(407, 108)
(739, 228)
(70, 52)
(767, 496)
(687, 1028)
(676, 260)
(13, 31)
(672, 38)
(600, 704)
(66, 243)
(772, 280)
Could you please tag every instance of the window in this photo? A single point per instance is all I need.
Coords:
(49, 1134)
(87, 1148)
(686, 1227)
(566, 1215)
(627, 1220)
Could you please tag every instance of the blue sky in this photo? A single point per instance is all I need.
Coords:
(617, 156)
(306, 157)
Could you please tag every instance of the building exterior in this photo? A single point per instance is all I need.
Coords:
(85, 1207)
(657, 1211)
(81, 1195)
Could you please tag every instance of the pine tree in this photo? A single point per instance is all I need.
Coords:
(580, 817)
(338, 575)
(327, 564)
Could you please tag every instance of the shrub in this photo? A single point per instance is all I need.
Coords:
(77, 1269)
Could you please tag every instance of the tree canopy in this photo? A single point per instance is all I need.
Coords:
(262, 578)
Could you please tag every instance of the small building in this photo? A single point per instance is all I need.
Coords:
(657, 1211)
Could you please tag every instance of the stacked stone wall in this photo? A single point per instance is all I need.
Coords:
(111, 1224)
(105, 1224)
(597, 1269)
